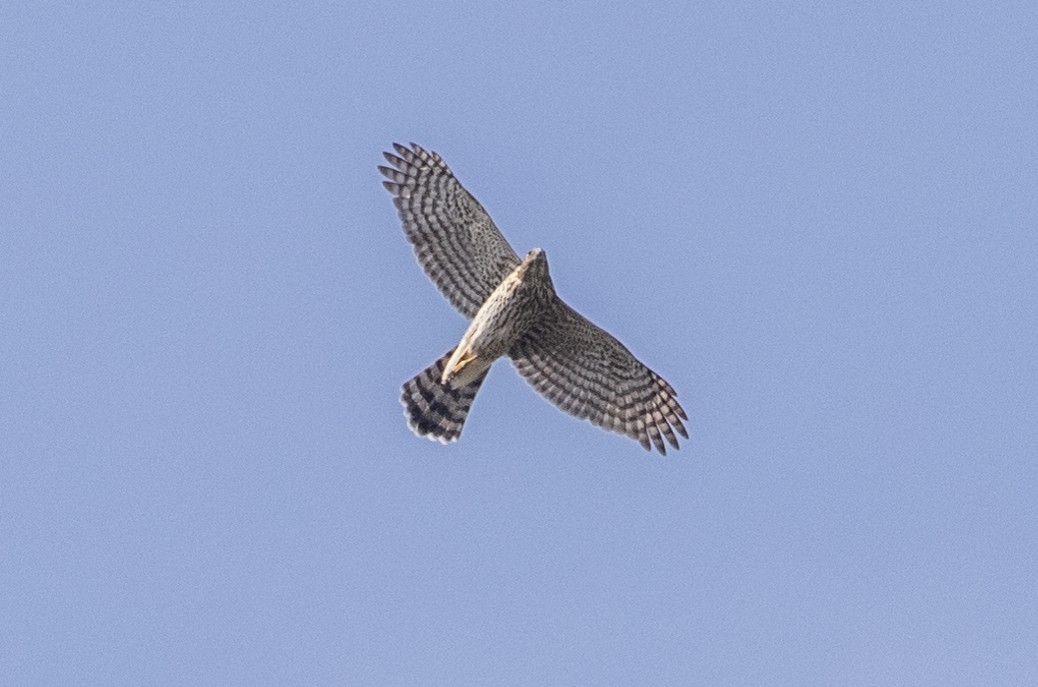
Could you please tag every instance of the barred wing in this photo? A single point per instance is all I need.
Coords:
(457, 243)
(586, 372)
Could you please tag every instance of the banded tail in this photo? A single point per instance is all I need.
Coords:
(433, 409)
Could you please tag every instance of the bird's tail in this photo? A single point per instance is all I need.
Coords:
(435, 410)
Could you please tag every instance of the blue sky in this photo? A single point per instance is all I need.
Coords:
(816, 221)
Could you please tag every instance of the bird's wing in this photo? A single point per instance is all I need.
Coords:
(457, 243)
(583, 370)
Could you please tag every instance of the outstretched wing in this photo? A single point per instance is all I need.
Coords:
(586, 372)
(454, 238)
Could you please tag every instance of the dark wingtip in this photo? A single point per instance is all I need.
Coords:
(681, 428)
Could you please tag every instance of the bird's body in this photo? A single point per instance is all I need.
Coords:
(515, 312)
(506, 315)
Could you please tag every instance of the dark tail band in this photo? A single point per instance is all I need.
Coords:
(436, 411)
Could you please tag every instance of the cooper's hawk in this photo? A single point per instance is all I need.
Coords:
(515, 312)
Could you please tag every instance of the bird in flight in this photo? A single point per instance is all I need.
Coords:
(514, 312)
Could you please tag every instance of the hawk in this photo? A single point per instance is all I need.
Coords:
(514, 312)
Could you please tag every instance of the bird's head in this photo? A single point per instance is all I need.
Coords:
(536, 259)
(534, 269)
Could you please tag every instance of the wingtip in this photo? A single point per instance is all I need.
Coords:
(681, 429)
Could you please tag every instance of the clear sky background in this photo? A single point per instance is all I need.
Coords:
(817, 221)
